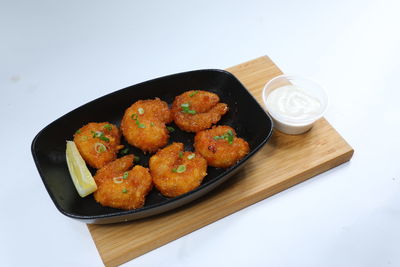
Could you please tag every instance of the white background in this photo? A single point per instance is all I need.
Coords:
(58, 55)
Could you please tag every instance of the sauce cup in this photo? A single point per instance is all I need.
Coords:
(297, 105)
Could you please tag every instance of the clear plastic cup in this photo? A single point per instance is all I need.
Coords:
(293, 125)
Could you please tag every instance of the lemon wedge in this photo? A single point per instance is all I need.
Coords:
(80, 174)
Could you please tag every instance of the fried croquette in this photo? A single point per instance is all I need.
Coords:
(120, 188)
(220, 146)
(143, 124)
(176, 172)
(197, 110)
(98, 143)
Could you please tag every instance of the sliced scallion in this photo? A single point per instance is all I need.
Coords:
(99, 147)
(118, 180)
(104, 138)
(228, 136)
(124, 151)
(185, 105)
(134, 116)
(193, 93)
(180, 169)
(107, 127)
(186, 109)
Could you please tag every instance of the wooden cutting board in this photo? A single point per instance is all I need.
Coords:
(285, 161)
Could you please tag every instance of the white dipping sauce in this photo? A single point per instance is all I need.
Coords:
(293, 103)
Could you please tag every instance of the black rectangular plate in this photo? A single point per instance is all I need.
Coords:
(245, 115)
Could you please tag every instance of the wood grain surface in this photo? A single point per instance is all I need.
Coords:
(285, 161)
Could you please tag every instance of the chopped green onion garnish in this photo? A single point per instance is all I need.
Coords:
(135, 117)
(180, 154)
(100, 135)
(78, 132)
(140, 125)
(108, 127)
(118, 180)
(95, 134)
(124, 191)
(152, 124)
(181, 168)
(191, 156)
(137, 158)
(124, 151)
(230, 139)
(104, 138)
(193, 93)
(99, 147)
(170, 129)
(141, 111)
(228, 136)
(125, 176)
(186, 109)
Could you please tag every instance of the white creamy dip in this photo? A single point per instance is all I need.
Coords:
(293, 103)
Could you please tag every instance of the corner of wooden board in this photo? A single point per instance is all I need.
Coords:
(263, 60)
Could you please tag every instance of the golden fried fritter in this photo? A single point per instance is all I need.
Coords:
(98, 143)
(197, 110)
(220, 146)
(143, 124)
(176, 172)
(120, 188)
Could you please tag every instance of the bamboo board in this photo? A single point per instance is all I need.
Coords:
(285, 161)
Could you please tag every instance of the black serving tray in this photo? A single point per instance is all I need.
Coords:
(245, 115)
